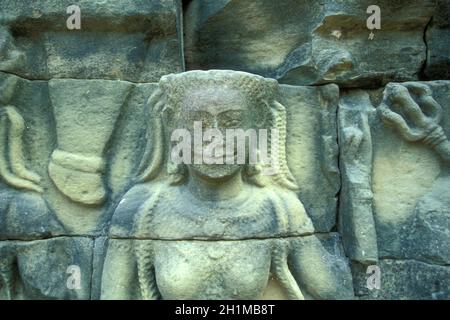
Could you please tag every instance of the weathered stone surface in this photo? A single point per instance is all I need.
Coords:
(128, 40)
(248, 202)
(98, 259)
(430, 237)
(409, 175)
(24, 212)
(85, 120)
(98, 120)
(122, 155)
(58, 268)
(309, 42)
(356, 220)
(312, 150)
(403, 280)
(320, 284)
(350, 167)
(26, 215)
(404, 164)
(410, 179)
(221, 269)
(312, 159)
(437, 38)
(401, 169)
(126, 217)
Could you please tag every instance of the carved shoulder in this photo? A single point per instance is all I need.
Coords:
(290, 213)
(125, 220)
(123, 217)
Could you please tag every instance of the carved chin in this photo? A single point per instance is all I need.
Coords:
(216, 171)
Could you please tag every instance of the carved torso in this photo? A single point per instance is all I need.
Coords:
(212, 269)
(173, 213)
(220, 254)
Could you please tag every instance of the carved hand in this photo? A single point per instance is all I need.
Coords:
(415, 121)
(357, 144)
(12, 162)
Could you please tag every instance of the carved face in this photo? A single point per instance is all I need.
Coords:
(220, 109)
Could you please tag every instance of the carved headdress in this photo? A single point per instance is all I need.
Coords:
(260, 92)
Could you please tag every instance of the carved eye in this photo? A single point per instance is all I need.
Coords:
(230, 119)
(200, 116)
(206, 123)
(230, 123)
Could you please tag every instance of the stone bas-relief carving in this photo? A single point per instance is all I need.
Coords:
(86, 181)
(195, 269)
(216, 202)
(58, 268)
(430, 229)
(419, 238)
(356, 220)
(24, 213)
(83, 154)
(312, 149)
(54, 121)
(83, 129)
(407, 189)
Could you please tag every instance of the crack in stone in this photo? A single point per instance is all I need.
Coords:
(94, 237)
(422, 75)
(85, 79)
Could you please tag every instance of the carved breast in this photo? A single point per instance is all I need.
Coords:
(212, 269)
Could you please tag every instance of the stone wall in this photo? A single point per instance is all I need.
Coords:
(367, 116)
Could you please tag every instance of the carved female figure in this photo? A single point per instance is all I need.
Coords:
(216, 231)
